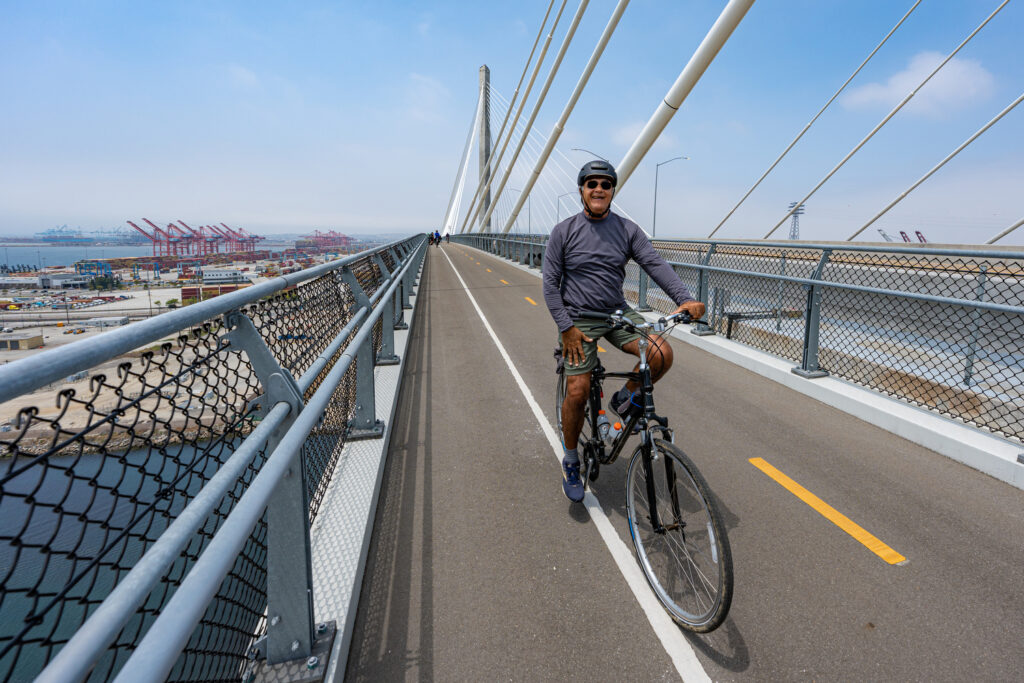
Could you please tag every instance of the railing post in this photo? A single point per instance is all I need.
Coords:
(641, 296)
(349, 278)
(809, 365)
(387, 356)
(778, 305)
(289, 560)
(702, 292)
(385, 274)
(364, 423)
(398, 306)
(975, 325)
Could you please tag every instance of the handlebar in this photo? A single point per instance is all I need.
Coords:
(617, 319)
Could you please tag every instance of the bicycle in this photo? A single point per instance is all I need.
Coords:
(674, 522)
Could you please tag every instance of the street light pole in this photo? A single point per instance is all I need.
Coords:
(558, 206)
(580, 149)
(654, 217)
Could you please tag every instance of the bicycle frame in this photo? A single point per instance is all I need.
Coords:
(646, 418)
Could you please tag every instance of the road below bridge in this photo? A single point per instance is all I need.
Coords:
(480, 569)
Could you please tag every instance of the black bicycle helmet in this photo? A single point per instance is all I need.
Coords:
(597, 169)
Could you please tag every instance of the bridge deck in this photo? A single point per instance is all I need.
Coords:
(481, 570)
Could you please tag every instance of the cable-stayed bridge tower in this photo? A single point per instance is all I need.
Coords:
(485, 141)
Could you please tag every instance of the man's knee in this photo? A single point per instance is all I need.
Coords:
(661, 356)
(577, 389)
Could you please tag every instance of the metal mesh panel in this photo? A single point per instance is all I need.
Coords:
(368, 275)
(324, 445)
(958, 361)
(233, 619)
(389, 260)
(89, 485)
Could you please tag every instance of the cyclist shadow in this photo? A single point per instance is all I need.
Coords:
(724, 646)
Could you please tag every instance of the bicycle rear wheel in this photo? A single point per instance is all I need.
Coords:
(687, 560)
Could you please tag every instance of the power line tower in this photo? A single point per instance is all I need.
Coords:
(794, 226)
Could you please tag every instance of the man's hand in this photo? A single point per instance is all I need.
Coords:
(572, 345)
(694, 308)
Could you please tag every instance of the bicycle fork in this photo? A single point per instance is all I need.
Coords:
(675, 524)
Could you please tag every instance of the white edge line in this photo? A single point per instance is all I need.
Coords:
(677, 647)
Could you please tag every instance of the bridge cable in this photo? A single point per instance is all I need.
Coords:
(906, 99)
(540, 139)
(811, 122)
(571, 174)
(1006, 232)
(460, 178)
(526, 67)
(606, 35)
(519, 112)
(515, 95)
(938, 166)
(542, 95)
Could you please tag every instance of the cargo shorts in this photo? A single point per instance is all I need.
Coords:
(596, 330)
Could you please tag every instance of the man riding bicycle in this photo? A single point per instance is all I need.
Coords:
(584, 268)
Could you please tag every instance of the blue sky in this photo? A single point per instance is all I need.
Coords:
(286, 117)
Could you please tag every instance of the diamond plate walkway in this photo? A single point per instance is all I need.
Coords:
(479, 569)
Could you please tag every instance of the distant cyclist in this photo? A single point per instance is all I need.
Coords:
(584, 269)
(437, 238)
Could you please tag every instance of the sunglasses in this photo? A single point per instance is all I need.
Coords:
(605, 184)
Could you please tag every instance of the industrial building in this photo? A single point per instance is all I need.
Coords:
(20, 340)
(63, 280)
(215, 276)
(17, 282)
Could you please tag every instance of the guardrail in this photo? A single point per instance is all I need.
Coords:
(154, 523)
(938, 328)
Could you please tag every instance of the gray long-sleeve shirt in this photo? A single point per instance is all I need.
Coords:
(585, 266)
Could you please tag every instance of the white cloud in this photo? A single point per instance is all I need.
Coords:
(424, 26)
(958, 84)
(242, 77)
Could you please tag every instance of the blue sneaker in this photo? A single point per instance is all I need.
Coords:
(572, 486)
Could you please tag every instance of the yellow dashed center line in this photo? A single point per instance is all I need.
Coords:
(503, 282)
(829, 513)
(599, 349)
(530, 300)
(488, 270)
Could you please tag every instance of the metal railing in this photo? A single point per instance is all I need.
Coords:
(942, 329)
(155, 510)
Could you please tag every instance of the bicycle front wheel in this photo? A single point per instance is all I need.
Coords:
(686, 558)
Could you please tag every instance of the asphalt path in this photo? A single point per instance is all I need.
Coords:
(479, 568)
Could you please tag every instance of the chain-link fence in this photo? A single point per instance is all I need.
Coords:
(105, 443)
(937, 328)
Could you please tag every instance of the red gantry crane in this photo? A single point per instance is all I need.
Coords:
(163, 244)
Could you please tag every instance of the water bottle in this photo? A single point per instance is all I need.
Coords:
(602, 426)
(614, 430)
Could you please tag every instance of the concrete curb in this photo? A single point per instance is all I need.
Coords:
(995, 456)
